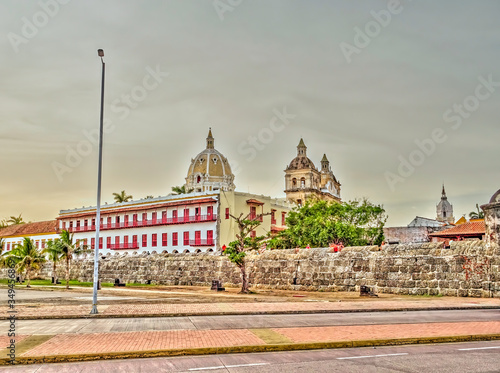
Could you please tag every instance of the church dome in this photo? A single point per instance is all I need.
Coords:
(301, 161)
(209, 170)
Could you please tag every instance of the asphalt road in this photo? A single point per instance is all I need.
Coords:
(68, 326)
(441, 358)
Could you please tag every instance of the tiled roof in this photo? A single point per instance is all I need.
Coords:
(471, 228)
(29, 228)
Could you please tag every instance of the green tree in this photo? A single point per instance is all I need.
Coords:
(26, 258)
(54, 254)
(320, 223)
(2, 244)
(3, 224)
(68, 250)
(476, 215)
(14, 220)
(237, 250)
(181, 190)
(122, 197)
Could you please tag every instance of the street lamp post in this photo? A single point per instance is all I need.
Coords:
(100, 53)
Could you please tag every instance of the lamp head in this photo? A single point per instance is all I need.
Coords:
(100, 52)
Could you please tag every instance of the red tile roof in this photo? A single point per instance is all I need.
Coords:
(29, 228)
(471, 228)
(254, 202)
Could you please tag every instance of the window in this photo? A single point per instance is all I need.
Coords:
(8, 245)
(186, 214)
(85, 242)
(197, 237)
(70, 225)
(164, 217)
(78, 223)
(37, 244)
(64, 226)
(175, 240)
(154, 238)
(117, 242)
(43, 244)
(134, 242)
(227, 212)
(109, 222)
(134, 219)
(186, 238)
(117, 220)
(153, 217)
(108, 242)
(253, 212)
(210, 212)
(92, 243)
(100, 242)
(125, 220)
(299, 202)
(294, 183)
(125, 241)
(198, 178)
(164, 241)
(210, 237)
(303, 182)
(273, 216)
(283, 218)
(253, 234)
(85, 224)
(174, 215)
(144, 240)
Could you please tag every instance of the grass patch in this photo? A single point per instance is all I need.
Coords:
(62, 284)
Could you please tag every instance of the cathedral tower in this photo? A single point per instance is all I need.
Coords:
(444, 209)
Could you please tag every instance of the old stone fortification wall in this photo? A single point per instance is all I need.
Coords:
(468, 268)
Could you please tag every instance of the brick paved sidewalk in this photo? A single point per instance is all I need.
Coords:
(166, 309)
(103, 343)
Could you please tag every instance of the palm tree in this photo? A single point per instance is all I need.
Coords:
(3, 224)
(2, 243)
(14, 220)
(181, 190)
(26, 258)
(68, 249)
(121, 197)
(54, 252)
(476, 215)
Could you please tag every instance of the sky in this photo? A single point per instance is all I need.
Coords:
(401, 96)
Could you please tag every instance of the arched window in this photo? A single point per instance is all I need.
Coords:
(303, 182)
(198, 178)
(294, 182)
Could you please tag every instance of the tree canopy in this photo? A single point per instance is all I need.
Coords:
(476, 215)
(122, 197)
(181, 190)
(320, 223)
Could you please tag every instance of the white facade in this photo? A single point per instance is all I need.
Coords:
(178, 223)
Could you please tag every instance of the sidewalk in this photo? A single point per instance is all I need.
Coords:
(44, 311)
(80, 347)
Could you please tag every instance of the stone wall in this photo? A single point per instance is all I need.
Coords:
(468, 268)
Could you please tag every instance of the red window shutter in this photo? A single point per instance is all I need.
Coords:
(154, 241)
(100, 242)
(134, 241)
(175, 239)
(164, 239)
(227, 212)
(108, 242)
(144, 240)
(186, 238)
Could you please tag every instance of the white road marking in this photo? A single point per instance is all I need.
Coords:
(367, 356)
(477, 348)
(230, 366)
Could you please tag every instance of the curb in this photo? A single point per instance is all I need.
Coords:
(236, 313)
(247, 349)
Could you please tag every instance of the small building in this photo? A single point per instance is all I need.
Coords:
(40, 232)
(471, 230)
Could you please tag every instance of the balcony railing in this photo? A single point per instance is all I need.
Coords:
(124, 246)
(202, 242)
(147, 223)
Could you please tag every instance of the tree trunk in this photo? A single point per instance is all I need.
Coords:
(244, 280)
(54, 273)
(67, 272)
(28, 275)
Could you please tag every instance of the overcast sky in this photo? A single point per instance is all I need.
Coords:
(360, 81)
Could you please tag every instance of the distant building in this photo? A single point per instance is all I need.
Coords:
(40, 232)
(417, 231)
(444, 209)
(304, 181)
(466, 231)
